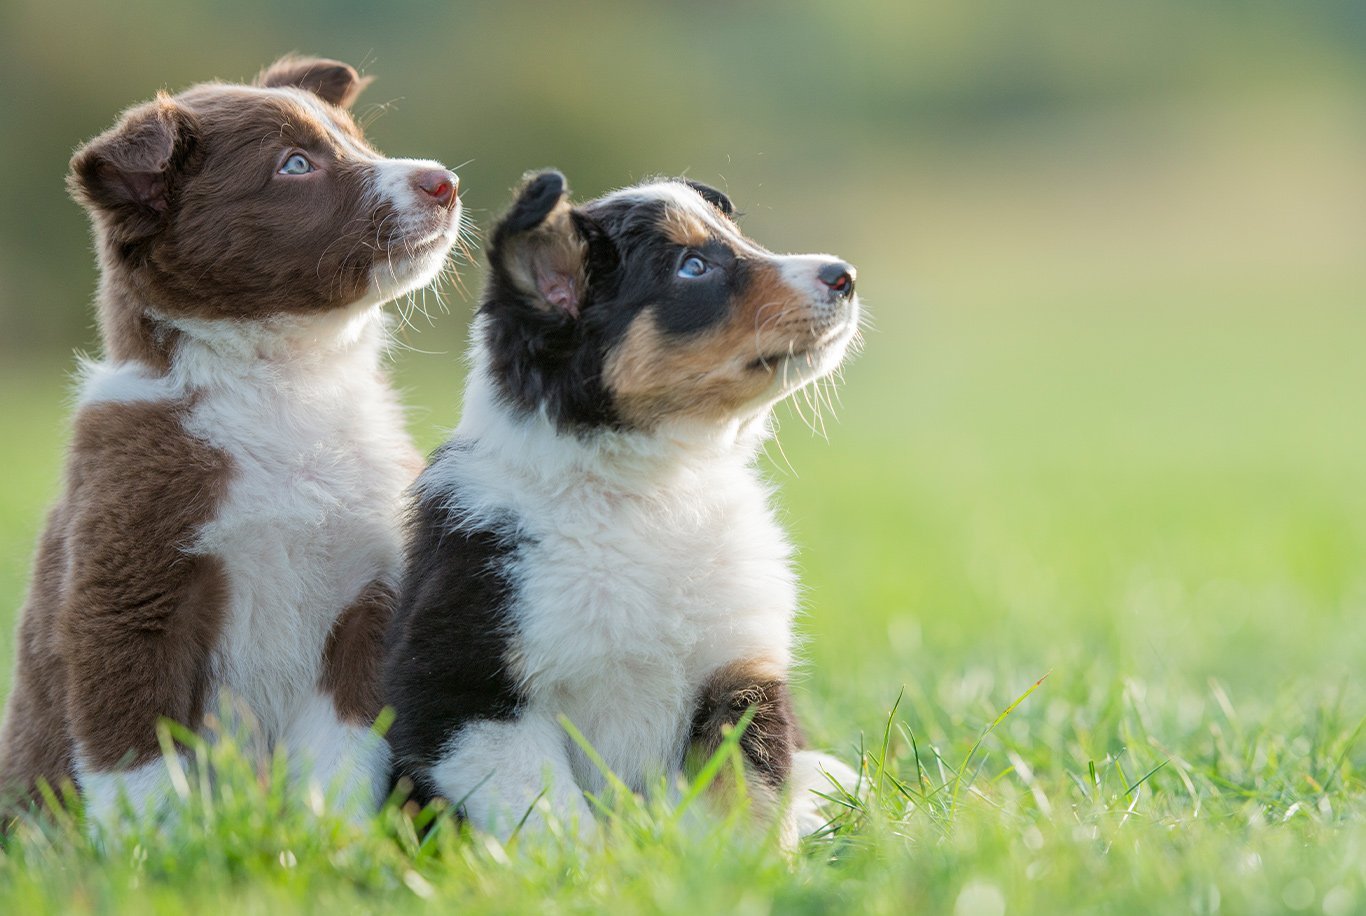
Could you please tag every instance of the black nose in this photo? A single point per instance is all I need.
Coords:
(839, 276)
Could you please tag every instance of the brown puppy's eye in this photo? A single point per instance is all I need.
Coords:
(297, 164)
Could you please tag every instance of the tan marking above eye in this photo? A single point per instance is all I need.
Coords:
(684, 228)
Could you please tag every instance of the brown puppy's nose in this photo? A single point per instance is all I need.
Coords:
(839, 278)
(438, 184)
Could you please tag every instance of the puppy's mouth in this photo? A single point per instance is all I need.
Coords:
(773, 360)
(443, 232)
(415, 256)
(809, 352)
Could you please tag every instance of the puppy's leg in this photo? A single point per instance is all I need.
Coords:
(812, 772)
(341, 757)
(331, 741)
(145, 788)
(140, 617)
(498, 770)
(767, 744)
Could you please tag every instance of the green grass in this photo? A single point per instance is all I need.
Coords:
(1143, 483)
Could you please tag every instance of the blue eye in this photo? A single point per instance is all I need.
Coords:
(296, 165)
(692, 267)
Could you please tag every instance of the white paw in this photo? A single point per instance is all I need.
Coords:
(812, 772)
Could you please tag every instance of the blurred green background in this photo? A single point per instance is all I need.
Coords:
(1109, 418)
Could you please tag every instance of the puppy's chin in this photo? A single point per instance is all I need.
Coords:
(412, 264)
(793, 371)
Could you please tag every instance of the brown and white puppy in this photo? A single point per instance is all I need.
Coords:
(229, 521)
(595, 542)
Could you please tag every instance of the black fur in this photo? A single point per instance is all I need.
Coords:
(533, 205)
(446, 646)
(712, 196)
(546, 357)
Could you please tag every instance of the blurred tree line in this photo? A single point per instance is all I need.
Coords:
(787, 104)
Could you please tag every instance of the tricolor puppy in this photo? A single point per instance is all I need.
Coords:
(229, 524)
(594, 542)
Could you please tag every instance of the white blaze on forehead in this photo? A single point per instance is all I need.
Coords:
(325, 116)
(393, 177)
(681, 197)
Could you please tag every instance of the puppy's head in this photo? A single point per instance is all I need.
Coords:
(236, 201)
(649, 305)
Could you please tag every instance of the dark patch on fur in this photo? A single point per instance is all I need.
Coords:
(354, 655)
(712, 196)
(446, 651)
(331, 80)
(545, 357)
(122, 619)
(771, 738)
(534, 203)
(35, 742)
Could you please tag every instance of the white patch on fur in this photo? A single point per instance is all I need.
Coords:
(121, 383)
(801, 272)
(320, 459)
(422, 226)
(679, 195)
(348, 764)
(145, 789)
(323, 114)
(812, 772)
(496, 770)
(651, 561)
(394, 180)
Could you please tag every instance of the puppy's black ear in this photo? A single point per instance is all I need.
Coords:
(129, 172)
(330, 80)
(712, 196)
(540, 248)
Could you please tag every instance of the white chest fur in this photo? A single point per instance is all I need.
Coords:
(638, 577)
(625, 606)
(319, 459)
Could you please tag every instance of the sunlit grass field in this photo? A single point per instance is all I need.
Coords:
(1126, 465)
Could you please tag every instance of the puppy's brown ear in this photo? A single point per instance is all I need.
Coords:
(539, 249)
(330, 80)
(129, 172)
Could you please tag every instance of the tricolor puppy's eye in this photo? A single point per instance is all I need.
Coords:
(692, 267)
(297, 164)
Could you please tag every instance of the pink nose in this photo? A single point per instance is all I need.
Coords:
(438, 184)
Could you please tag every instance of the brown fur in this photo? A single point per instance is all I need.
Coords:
(337, 83)
(548, 261)
(353, 656)
(122, 618)
(714, 374)
(35, 742)
(192, 222)
(228, 253)
(685, 229)
(768, 742)
(174, 187)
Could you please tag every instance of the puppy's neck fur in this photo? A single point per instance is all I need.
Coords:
(291, 357)
(134, 331)
(530, 445)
